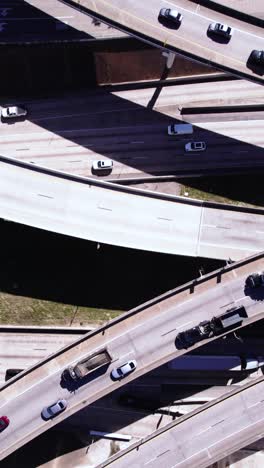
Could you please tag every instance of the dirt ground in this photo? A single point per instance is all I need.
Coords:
(125, 66)
(55, 69)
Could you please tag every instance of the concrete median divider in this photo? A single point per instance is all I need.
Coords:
(222, 109)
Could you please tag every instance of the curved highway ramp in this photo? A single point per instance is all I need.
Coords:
(127, 217)
(23, 397)
(202, 437)
(191, 36)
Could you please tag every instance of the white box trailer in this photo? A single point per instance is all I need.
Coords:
(215, 363)
(180, 129)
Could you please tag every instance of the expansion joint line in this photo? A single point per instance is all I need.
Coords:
(199, 233)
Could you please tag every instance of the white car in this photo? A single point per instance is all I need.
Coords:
(195, 146)
(221, 29)
(102, 164)
(171, 15)
(51, 411)
(13, 112)
(121, 372)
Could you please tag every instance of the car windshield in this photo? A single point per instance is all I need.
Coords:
(2, 423)
(132, 365)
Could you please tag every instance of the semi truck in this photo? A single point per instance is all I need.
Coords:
(88, 364)
(232, 318)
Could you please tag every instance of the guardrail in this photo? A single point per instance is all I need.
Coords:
(46, 330)
(101, 330)
(179, 80)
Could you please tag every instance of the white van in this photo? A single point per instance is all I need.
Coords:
(215, 363)
(180, 129)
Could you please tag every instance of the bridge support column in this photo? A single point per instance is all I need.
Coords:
(170, 58)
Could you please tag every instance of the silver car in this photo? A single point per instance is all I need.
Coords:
(125, 369)
(13, 112)
(102, 164)
(56, 408)
(195, 146)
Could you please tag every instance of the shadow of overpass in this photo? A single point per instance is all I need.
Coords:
(125, 127)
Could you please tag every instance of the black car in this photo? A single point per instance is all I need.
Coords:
(189, 337)
(255, 280)
(257, 57)
(221, 29)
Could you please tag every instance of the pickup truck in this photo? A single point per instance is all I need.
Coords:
(191, 336)
(89, 364)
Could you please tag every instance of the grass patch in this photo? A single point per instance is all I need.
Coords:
(240, 190)
(208, 196)
(19, 310)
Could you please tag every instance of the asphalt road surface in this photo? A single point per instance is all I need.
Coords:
(201, 439)
(24, 399)
(23, 22)
(129, 126)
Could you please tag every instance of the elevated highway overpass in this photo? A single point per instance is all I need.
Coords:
(23, 398)
(141, 20)
(202, 437)
(104, 212)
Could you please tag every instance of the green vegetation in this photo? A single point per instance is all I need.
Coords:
(208, 196)
(19, 310)
(227, 189)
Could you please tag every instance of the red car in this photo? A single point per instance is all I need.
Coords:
(4, 422)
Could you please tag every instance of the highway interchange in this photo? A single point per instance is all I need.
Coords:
(189, 393)
(220, 427)
(54, 137)
(125, 339)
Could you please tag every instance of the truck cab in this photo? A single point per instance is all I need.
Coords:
(189, 337)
